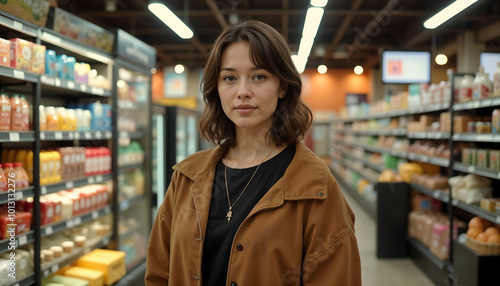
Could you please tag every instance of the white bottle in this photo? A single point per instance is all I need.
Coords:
(482, 85)
(465, 90)
(43, 117)
(496, 81)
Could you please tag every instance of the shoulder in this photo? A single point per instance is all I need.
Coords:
(199, 163)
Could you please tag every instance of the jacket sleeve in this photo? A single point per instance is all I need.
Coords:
(158, 256)
(331, 249)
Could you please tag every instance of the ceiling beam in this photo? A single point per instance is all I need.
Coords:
(489, 32)
(285, 19)
(217, 13)
(346, 22)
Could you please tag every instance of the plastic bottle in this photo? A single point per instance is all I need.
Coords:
(72, 120)
(52, 118)
(20, 156)
(8, 170)
(87, 115)
(496, 81)
(44, 168)
(51, 167)
(25, 113)
(16, 115)
(3, 181)
(57, 165)
(11, 156)
(482, 85)
(43, 117)
(466, 87)
(22, 179)
(5, 152)
(62, 118)
(28, 165)
(4, 112)
(80, 119)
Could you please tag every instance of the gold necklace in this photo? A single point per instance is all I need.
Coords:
(230, 211)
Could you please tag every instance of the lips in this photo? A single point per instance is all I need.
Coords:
(245, 109)
(245, 106)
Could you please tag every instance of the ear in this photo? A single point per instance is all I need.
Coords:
(282, 92)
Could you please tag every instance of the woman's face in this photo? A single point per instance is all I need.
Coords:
(248, 94)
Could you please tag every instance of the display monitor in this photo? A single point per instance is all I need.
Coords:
(490, 62)
(406, 67)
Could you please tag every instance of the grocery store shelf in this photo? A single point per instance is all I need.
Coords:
(475, 104)
(366, 205)
(130, 168)
(127, 203)
(17, 136)
(75, 135)
(426, 252)
(18, 195)
(20, 25)
(388, 132)
(375, 149)
(18, 74)
(131, 135)
(75, 221)
(367, 163)
(53, 188)
(428, 108)
(95, 243)
(485, 172)
(361, 173)
(429, 159)
(25, 281)
(477, 137)
(437, 194)
(476, 210)
(21, 239)
(73, 86)
(428, 135)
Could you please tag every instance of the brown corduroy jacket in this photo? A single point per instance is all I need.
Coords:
(300, 233)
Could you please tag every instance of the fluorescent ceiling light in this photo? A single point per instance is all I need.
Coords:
(319, 3)
(171, 20)
(448, 12)
(305, 47)
(311, 24)
(300, 63)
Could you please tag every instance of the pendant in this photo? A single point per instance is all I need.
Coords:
(229, 214)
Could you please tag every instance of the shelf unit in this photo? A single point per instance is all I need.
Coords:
(454, 167)
(42, 89)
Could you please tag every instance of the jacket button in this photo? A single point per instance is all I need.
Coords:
(234, 284)
(320, 194)
(239, 247)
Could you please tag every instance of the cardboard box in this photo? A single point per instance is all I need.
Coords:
(460, 123)
(38, 61)
(4, 52)
(21, 54)
(94, 277)
(111, 263)
(35, 12)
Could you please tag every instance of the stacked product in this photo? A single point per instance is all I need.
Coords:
(483, 236)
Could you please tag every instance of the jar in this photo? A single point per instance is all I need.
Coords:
(483, 127)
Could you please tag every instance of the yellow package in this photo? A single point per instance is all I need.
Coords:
(94, 277)
(110, 262)
(38, 62)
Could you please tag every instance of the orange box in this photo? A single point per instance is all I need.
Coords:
(4, 52)
(21, 54)
(38, 62)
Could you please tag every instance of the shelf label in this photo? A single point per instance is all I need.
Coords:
(69, 224)
(484, 137)
(48, 230)
(98, 179)
(454, 202)
(17, 25)
(97, 91)
(436, 194)
(95, 214)
(48, 80)
(69, 185)
(78, 221)
(51, 38)
(42, 135)
(17, 284)
(90, 180)
(471, 169)
(19, 74)
(83, 87)
(71, 85)
(71, 135)
(58, 135)
(498, 176)
(44, 190)
(58, 82)
(54, 268)
(77, 135)
(14, 137)
(87, 135)
(23, 240)
(19, 195)
(108, 134)
(98, 135)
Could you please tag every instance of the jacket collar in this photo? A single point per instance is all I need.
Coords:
(305, 178)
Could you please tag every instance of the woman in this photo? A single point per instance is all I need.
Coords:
(260, 208)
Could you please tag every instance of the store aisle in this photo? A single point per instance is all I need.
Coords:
(382, 272)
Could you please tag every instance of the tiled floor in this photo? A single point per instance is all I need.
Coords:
(382, 272)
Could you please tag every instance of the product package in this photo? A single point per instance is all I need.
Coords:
(4, 52)
(110, 262)
(38, 62)
(21, 54)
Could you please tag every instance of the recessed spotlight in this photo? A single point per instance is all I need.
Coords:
(358, 70)
(441, 59)
(322, 69)
(179, 68)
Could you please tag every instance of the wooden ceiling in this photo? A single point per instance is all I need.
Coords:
(351, 32)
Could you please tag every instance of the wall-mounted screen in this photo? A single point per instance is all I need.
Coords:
(406, 67)
(490, 62)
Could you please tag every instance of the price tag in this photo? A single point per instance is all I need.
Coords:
(95, 214)
(19, 74)
(487, 102)
(69, 224)
(87, 135)
(69, 185)
(436, 194)
(83, 88)
(77, 135)
(484, 137)
(48, 230)
(42, 135)
(124, 134)
(90, 180)
(71, 85)
(17, 25)
(71, 135)
(19, 195)
(98, 135)
(14, 137)
(124, 205)
(454, 202)
(54, 268)
(23, 240)
(58, 82)
(97, 91)
(58, 135)
(51, 38)
(108, 134)
(44, 190)
(78, 221)
(98, 179)
(471, 169)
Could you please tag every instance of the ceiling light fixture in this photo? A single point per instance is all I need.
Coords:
(319, 3)
(311, 25)
(441, 59)
(358, 70)
(179, 69)
(170, 19)
(447, 13)
(322, 69)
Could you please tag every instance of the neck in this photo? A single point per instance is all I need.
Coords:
(250, 153)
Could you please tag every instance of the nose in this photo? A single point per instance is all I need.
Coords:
(244, 90)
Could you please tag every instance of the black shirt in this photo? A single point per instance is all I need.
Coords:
(220, 233)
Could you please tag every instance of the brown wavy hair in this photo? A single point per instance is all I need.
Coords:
(268, 50)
